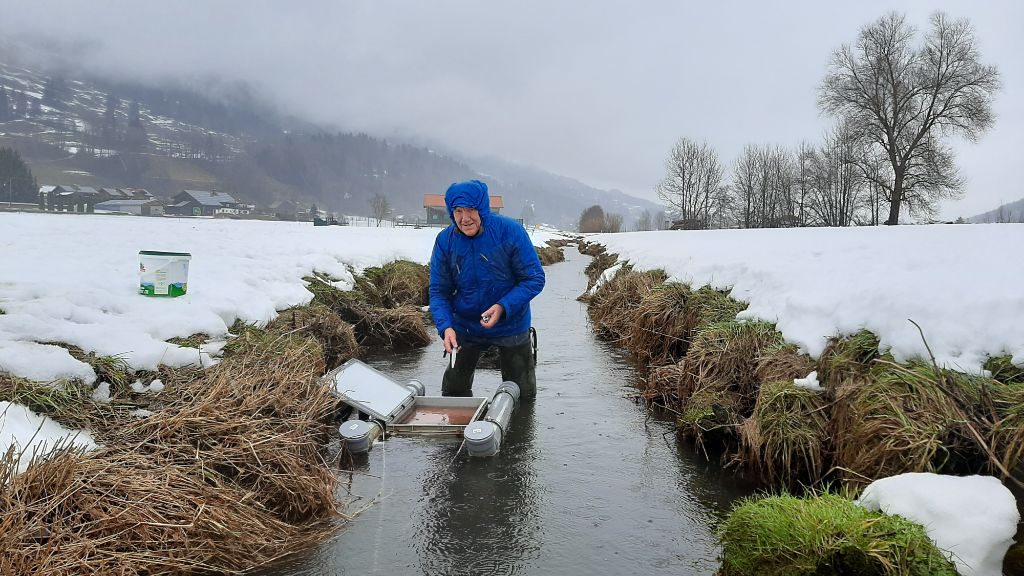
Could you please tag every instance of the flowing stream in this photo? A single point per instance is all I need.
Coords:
(587, 481)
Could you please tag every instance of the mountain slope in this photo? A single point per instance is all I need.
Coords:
(98, 132)
(1012, 212)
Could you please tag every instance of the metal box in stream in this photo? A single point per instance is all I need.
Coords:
(398, 408)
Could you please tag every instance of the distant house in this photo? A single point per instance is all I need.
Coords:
(68, 198)
(131, 206)
(108, 193)
(437, 213)
(204, 203)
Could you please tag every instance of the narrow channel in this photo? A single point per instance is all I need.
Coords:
(587, 482)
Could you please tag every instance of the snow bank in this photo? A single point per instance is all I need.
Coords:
(973, 518)
(961, 283)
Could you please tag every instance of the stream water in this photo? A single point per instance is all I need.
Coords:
(588, 481)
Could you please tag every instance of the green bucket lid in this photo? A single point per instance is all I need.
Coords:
(159, 253)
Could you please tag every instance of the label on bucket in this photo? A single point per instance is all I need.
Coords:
(163, 273)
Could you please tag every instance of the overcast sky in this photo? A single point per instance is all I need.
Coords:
(597, 90)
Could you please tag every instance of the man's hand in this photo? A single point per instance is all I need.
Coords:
(489, 318)
(450, 342)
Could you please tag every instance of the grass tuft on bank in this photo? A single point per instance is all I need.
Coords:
(238, 450)
(225, 470)
(825, 534)
(731, 383)
(550, 254)
(786, 437)
(384, 306)
(192, 341)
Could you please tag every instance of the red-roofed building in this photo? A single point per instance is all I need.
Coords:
(437, 214)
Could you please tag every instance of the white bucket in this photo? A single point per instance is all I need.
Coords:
(163, 273)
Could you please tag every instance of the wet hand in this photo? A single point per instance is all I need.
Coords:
(491, 317)
(450, 341)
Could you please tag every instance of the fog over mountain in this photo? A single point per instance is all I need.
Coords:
(1010, 212)
(597, 92)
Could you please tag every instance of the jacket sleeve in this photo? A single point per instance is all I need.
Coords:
(527, 271)
(442, 287)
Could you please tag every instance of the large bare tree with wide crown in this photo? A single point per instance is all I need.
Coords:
(901, 99)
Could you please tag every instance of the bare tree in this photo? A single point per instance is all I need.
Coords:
(777, 183)
(803, 174)
(745, 185)
(836, 181)
(643, 222)
(903, 99)
(763, 182)
(694, 176)
(380, 207)
(612, 223)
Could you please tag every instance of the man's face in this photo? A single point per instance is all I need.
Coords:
(467, 219)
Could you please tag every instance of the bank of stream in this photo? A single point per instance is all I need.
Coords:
(588, 481)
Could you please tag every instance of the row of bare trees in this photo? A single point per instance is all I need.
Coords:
(595, 219)
(894, 102)
(770, 186)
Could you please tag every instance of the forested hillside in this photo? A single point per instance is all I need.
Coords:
(97, 132)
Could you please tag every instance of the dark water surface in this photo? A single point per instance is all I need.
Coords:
(586, 482)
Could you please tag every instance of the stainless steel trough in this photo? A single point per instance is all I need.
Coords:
(382, 406)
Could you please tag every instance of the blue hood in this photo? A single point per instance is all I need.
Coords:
(468, 194)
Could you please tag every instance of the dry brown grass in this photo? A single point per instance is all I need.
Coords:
(400, 283)
(597, 266)
(614, 306)
(69, 403)
(784, 363)
(730, 352)
(899, 419)
(1007, 437)
(401, 327)
(591, 248)
(550, 254)
(664, 384)
(227, 475)
(194, 341)
(719, 383)
(337, 338)
(388, 327)
(666, 320)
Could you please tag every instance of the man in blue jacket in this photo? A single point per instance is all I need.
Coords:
(483, 273)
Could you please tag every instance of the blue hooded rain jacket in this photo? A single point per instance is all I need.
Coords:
(468, 275)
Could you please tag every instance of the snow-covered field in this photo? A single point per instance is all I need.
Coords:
(963, 284)
(74, 279)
